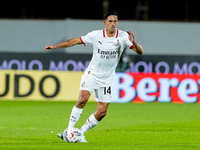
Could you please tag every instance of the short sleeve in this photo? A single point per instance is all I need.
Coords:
(87, 39)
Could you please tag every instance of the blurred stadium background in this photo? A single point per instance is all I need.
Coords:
(168, 30)
(168, 10)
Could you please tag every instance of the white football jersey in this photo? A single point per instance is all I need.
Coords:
(106, 53)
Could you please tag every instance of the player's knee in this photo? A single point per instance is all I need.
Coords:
(81, 102)
(101, 114)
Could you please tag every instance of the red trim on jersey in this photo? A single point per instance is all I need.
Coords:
(82, 41)
(117, 33)
(104, 33)
(131, 46)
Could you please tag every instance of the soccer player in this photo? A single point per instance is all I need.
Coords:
(108, 45)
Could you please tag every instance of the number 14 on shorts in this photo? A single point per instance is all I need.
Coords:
(107, 90)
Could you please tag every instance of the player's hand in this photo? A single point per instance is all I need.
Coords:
(131, 36)
(48, 47)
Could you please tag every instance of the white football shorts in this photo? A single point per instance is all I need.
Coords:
(102, 92)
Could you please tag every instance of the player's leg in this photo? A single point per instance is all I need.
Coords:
(86, 88)
(78, 108)
(83, 98)
(103, 100)
(95, 118)
(101, 110)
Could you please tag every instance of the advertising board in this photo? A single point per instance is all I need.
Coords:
(79, 62)
(39, 85)
(140, 87)
(127, 87)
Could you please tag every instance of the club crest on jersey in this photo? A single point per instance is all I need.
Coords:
(117, 43)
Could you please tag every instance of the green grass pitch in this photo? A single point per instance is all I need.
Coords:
(146, 126)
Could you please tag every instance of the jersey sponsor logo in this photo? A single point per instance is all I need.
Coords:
(108, 54)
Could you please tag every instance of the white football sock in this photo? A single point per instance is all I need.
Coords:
(75, 115)
(90, 123)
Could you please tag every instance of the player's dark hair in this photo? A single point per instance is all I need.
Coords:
(109, 14)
